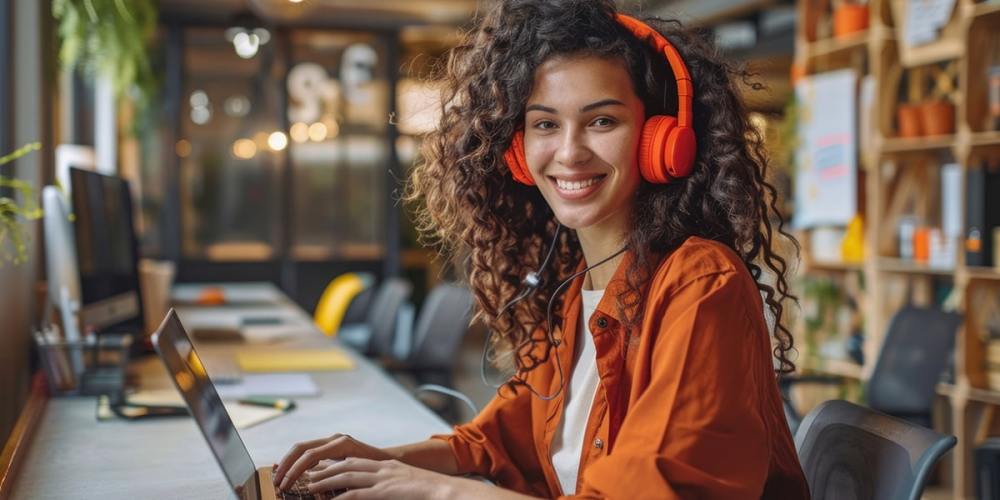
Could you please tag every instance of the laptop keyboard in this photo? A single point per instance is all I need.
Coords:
(300, 491)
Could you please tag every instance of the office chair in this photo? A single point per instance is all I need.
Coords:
(852, 452)
(915, 352)
(337, 299)
(376, 335)
(437, 337)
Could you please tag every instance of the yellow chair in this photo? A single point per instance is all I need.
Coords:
(336, 299)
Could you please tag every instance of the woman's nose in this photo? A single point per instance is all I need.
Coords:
(572, 149)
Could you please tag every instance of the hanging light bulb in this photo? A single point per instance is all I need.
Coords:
(247, 35)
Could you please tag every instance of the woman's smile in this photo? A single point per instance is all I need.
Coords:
(576, 187)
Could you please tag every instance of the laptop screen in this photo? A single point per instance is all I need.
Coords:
(192, 381)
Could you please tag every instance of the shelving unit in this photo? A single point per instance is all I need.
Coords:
(901, 176)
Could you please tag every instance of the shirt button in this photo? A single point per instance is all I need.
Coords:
(598, 443)
(602, 322)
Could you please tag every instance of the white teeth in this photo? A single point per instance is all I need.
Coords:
(576, 185)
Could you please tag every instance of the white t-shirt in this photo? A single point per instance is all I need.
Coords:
(567, 445)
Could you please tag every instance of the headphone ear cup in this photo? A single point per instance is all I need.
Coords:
(516, 163)
(681, 148)
(653, 148)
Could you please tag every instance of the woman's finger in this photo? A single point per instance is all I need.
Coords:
(334, 449)
(351, 464)
(293, 455)
(351, 480)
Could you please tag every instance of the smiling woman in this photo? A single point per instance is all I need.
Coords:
(604, 178)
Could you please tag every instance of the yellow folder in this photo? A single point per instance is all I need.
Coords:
(300, 360)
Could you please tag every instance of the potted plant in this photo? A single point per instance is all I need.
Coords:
(110, 38)
(908, 113)
(848, 18)
(937, 113)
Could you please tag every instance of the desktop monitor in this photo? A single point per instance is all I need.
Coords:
(60, 249)
(106, 252)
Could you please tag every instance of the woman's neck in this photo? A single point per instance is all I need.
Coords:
(597, 246)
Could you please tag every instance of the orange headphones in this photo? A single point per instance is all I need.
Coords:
(667, 145)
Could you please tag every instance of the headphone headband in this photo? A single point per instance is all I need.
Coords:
(685, 90)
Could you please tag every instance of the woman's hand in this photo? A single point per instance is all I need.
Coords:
(365, 478)
(306, 455)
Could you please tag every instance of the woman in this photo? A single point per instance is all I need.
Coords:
(616, 228)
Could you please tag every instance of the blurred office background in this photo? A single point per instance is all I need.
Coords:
(268, 140)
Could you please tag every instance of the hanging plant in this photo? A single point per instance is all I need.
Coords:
(110, 38)
(14, 215)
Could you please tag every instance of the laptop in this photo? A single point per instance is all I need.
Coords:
(187, 371)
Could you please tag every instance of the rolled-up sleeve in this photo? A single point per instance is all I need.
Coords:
(697, 430)
(498, 444)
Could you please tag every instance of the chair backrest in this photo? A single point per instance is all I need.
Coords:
(913, 356)
(852, 452)
(383, 314)
(443, 321)
(331, 310)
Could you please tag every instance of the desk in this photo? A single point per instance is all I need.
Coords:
(72, 455)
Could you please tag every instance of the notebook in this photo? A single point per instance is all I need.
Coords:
(301, 360)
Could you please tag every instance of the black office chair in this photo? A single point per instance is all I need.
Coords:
(437, 337)
(376, 335)
(915, 353)
(852, 452)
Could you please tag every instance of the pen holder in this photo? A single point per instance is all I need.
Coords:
(87, 367)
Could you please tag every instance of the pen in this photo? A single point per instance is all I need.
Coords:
(279, 403)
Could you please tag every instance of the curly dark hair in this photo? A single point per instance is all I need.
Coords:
(467, 202)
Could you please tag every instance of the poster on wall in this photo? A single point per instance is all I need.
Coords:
(826, 158)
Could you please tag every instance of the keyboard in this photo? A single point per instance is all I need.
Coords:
(300, 491)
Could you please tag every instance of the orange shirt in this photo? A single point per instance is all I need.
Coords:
(692, 409)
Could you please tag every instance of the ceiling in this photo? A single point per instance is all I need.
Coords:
(362, 14)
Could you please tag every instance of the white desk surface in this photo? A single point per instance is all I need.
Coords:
(72, 455)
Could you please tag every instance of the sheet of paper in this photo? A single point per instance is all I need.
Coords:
(270, 384)
(246, 416)
(826, 160)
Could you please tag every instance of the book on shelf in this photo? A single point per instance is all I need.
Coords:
(982, 215)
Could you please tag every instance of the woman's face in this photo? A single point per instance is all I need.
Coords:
(582, 126)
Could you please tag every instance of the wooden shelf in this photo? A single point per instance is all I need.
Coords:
(985, 138)
(917, 144)
(892, 265)
(985, 8)
(834, 46)
(988, 396)
(839, 367)
(819, 265)
(910, 183)
(983, 273)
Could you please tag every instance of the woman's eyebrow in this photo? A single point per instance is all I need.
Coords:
(589, 107)
(601, 103)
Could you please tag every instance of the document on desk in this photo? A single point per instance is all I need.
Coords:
(297, 360)
(243, 416)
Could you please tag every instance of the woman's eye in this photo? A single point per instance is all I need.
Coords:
(545, 125)
(603, 122)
